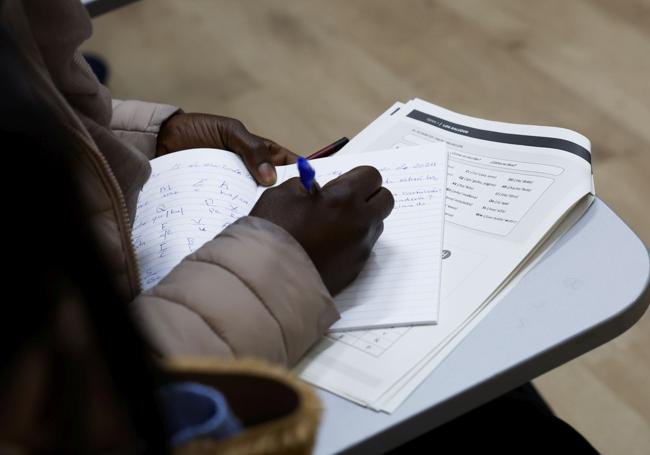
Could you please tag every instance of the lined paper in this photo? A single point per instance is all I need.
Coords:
(192, 195)
(400, 283)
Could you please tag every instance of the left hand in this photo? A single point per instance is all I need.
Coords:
(261, 155)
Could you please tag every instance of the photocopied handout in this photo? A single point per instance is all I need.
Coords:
(507, 188)
(192, 195)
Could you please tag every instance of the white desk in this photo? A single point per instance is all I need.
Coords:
(97, 7)
(584, 292)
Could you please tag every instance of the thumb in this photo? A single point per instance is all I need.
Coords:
(255, 153)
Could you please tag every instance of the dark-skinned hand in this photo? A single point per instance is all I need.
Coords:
(337, 225)
(260, 155)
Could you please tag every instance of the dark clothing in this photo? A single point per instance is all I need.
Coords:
(519, 422)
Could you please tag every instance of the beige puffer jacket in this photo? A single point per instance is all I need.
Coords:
(252, 291)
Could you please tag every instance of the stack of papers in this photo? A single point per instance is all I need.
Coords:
(194, 194)
(511, 190)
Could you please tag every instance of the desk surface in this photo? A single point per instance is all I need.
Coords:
(584, 292)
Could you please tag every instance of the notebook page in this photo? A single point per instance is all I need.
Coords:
(190, 197)
(400, 283)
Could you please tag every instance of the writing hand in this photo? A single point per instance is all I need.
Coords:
(261, 155)
(337, 226)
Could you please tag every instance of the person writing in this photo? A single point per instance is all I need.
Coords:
(74, 376)
(261, 288)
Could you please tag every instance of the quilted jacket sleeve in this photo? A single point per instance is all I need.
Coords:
(251, 291)
(138, 122)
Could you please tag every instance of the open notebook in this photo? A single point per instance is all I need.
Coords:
(193, 194)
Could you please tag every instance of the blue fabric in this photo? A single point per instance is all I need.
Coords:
(193, 410)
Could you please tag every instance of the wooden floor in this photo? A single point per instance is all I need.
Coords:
(307, 72)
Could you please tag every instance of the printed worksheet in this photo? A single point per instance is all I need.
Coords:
(508, 187)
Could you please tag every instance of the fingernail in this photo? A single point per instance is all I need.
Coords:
(267, 174)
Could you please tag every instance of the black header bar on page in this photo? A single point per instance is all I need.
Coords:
(506, 138)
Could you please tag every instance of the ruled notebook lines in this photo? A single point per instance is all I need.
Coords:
(193, 195)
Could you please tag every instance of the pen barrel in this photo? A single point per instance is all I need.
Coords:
(329, 149)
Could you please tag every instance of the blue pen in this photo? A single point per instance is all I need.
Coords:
(307, 175)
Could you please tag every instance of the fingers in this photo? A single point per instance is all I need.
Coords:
(280, 156)
(375, 233)
(381, 203)
(253, 151)
(362, 181)
(293, 184)
(260, 155)
(365, 184)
